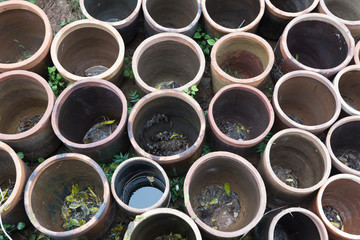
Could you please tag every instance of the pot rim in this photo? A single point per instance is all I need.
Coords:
(322, 18)
(87, 23)
(288, 15)
(344, 105)
(20, 181)
(308, 137)
(161, 28)
(42, 52)
(42, 168)
(119, 24)
(87, 83)
(316, 77)
(34, 77)
(234, 142)
(322, 7)
(165, 37)
(257, 178)
(139, 160)
(320, 211)
(335, 161)
(246, 36)
(248, 27)
(166, 160)
(357, 53)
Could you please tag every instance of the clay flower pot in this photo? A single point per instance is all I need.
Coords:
(357, 54)
(240, 57)
(123, 15)
(168, 60)
(294, 164)
(291, 221)
(88, 48)
(25, 37)
(243, 179)
(342, 192)
(240, 117)
(51, 182)
(345, 11)
(139, 185)
(83, 105)
(166, 16)
(342, 142)
(279, 13)
(27, 99)
(305, 100)
(163, 112)
(314, 42)
(157, 222)
(13, 169)
(223, 17)
(347, 85)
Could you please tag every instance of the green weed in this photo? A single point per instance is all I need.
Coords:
(204, 40)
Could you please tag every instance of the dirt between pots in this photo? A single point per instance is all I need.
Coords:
(6, 189)
(101, 130)
(334, 217)
(218, 208)
(234, 130)
(29, 123)
(350, 158)
(286, 176)
(171, 236)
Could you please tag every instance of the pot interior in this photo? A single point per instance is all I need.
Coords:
(110, 10)
(162, 224)
(242, 57)
(7, 172)
(170, 15)
(343, 195)
(306, 101)
(168, 64)
(22, 33)
(301, 156)
(21, 98)
(88, 51)
(233, 13)
(292, 5)
(54, 183)
(349, 86)
(243, 108)
(317, 44)
(220, 170)
(85, 107)
(344, 9)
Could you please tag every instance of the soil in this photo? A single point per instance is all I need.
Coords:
(286, 176)
(164, 143)
(234, 130)
(171, 236)
(216, 208)
(29, 123)
(6, 189)
(294, 118)
(101, 130)
(350, 158)
(334, 217)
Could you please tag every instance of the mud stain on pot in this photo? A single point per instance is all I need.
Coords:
(101, 130)
(234, 130)
(171, 236)
(218, 207)
(167, 85)
(350, 158)
(334, 217)
(28, 123)
(6, 189)
(94, 71)
(286, 176)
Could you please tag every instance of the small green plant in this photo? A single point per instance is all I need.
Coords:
(40, 160)
(261, 147)
(177, 191)
(192, 91)
(204, 40)
(56, 81)
(109, 168)
(133, 98)
(128, 72)
(21, 155)
(9, 228)
(205, 149)
(297, 57)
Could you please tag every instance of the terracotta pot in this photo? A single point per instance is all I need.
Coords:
(134, 174)
(168, 56)
(342, 192)
(314, 42)
(166, 16)
(345, 11)
(347, 86)
(304, 155)
(25, 37)
(122, 15)
(51, 182)
(240, 57)
(88, 48)
(186, 117)
(80, 106)
(14, 169)
(293, 221)
(157, 222)
(344, 135)
(244, 180)
(305, 100)
(223, 17)
(279, 13)
(26, 95)
(244, 105)
(357, 54)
